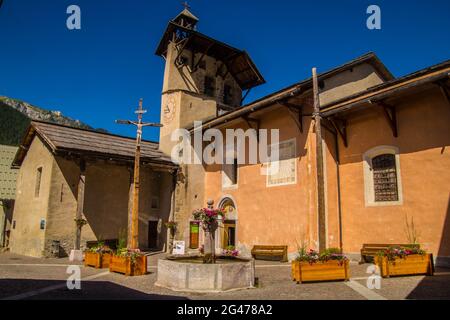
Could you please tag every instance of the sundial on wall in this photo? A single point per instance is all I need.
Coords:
(169, 109)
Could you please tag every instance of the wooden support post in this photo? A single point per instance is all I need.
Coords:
(319, 161)
(183, 43)
(80, 203)
(133, 237)
(444, 91)
(249, 120)
(245, 95)
(130, 207)
(390, 114)
(296, 114)
(341, 128)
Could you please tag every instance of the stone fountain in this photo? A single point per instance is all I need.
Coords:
(208, 273)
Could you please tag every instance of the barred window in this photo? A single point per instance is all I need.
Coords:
(385, 178)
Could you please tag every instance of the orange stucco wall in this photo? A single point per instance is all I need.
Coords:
(423, 142)
(288, 214)
(277, 214)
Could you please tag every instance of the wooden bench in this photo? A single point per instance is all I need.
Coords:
(270, 251)
(371, 249)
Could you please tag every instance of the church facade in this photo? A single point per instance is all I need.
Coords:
(385, 141)
(385, 159)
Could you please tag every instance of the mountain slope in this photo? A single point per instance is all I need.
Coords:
(12, 125)
(15, 116)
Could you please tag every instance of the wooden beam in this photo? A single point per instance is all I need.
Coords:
(341, 128)
(390, 113)
(183, 43)
(296, 113)
(80, 203)
(329, 126)
(249, 120)
(444, 90)
(130, 204)
(202, 56)
(245, 95)
(321, 214)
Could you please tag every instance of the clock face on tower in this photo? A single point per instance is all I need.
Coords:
(169, 109)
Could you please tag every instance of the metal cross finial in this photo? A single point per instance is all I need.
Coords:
(186, 5)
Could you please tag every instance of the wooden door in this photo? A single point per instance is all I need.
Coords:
(194, 229)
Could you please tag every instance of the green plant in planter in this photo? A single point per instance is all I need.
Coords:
(312, 256)
(400, 252)
(100, 248)
(123, 251)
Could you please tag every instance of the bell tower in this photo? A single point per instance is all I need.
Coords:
(203, 77)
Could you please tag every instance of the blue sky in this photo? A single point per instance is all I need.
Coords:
(98, 73)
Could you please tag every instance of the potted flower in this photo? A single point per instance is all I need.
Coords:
(130, 262)
(98, 256)
(208, 218)
(172, 226)
(399, 261)
(311, 265)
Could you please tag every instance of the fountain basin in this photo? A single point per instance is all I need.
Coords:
(190, 274)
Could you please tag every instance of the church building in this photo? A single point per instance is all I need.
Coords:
(382, 154)
(385, 156)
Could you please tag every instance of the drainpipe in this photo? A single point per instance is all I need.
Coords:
(338, 182)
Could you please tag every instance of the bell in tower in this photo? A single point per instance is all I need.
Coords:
(186, 19)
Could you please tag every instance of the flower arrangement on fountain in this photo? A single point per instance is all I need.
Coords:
(207, 216)
(312, 256)
(230, 251)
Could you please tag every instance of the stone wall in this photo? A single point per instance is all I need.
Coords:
(27, 237)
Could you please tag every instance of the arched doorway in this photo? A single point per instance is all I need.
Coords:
(228, 234)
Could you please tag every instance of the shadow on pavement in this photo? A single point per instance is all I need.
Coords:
(90, 290)
(432, 287)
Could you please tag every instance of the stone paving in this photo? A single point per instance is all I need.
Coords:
(34, 278)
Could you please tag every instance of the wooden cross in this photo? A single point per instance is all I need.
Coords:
(133, 222)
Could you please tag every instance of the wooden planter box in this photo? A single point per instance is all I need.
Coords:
(320, 271)
(410, 265)
(97, 260)
(124, 265)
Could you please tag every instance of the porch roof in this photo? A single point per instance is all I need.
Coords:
(68, 140)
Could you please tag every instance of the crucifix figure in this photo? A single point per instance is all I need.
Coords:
(133, 225)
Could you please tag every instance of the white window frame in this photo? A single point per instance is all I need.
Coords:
(369, 193)
(295, 166)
